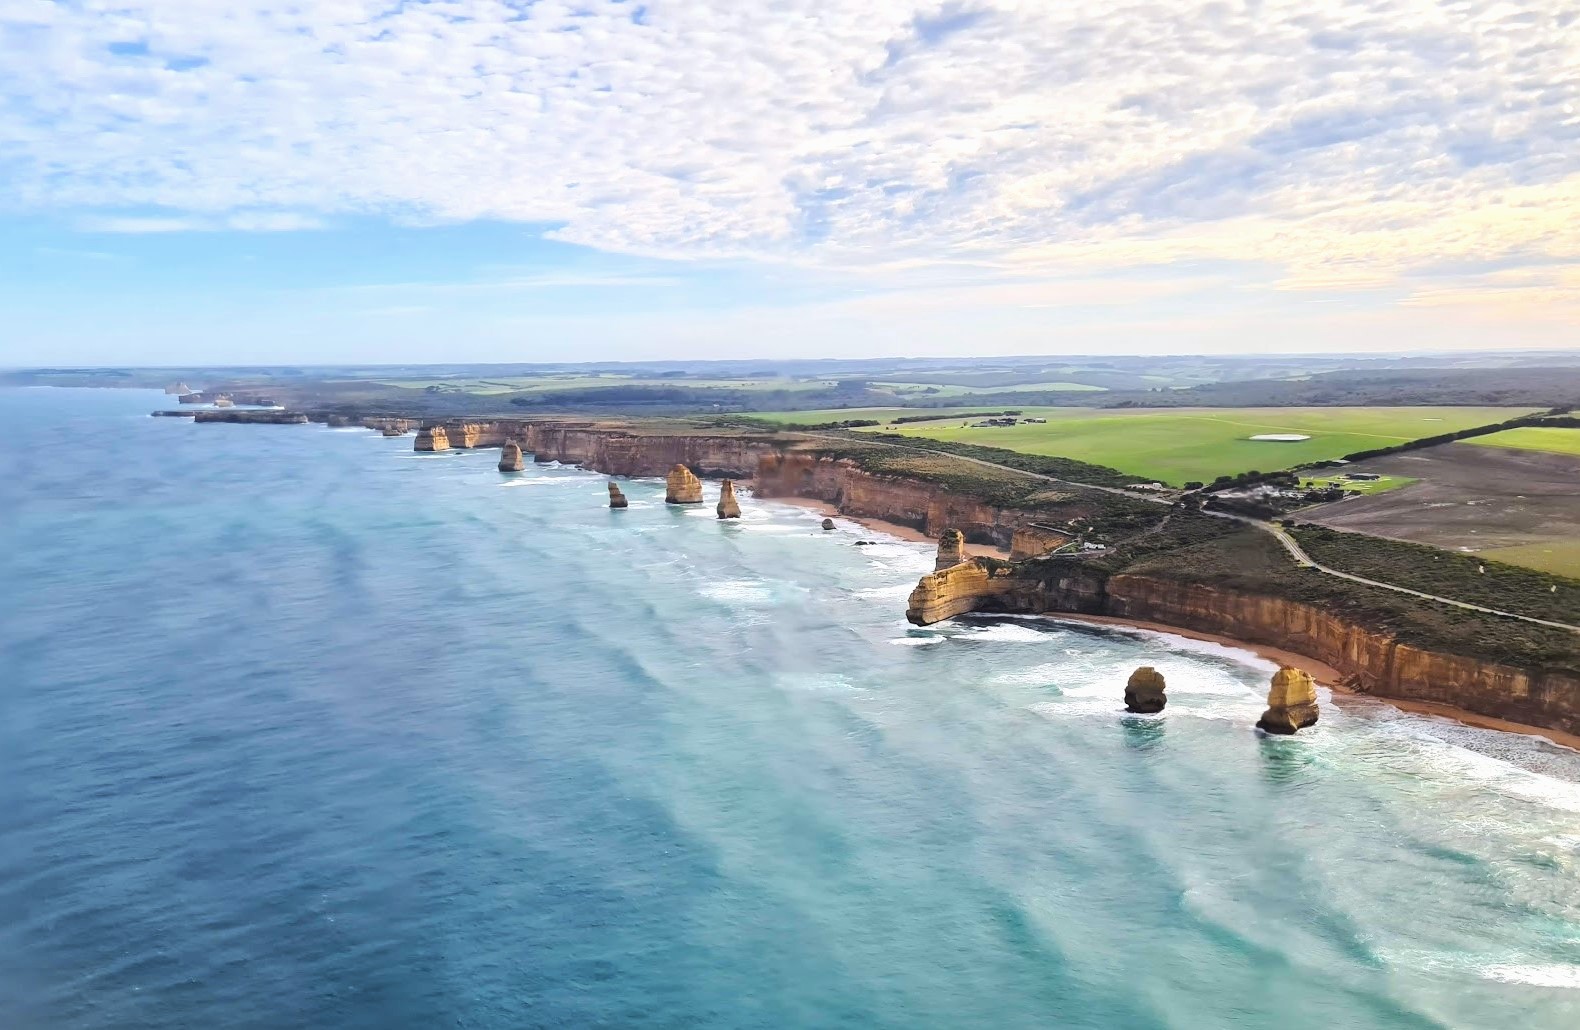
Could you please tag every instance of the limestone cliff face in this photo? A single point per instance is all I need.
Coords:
(728, 507)
(621, 453)
(1371, 661)
(616, 498)
(1034, 541)
(909, 502)
(431, 438)
(1291, 702)
(510, 458)
(681, 486)
(261, 418)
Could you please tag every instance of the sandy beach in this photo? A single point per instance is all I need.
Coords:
(894, 529)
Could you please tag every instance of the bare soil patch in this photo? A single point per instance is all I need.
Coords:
(1467, 498)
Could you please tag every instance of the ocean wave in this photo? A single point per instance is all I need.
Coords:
(1536, 975)
(916, 641)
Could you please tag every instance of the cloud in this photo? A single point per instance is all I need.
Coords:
(243, 221)
(1344, 142)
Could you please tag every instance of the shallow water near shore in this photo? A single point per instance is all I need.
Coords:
(300, 728)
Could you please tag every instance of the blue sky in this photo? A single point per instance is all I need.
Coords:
(365, 180)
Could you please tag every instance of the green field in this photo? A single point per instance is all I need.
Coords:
(1558, 556)
(509, 384)
(1553, 440)
(1178, 445)
(1360, 486)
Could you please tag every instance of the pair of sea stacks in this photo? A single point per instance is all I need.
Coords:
(1291, 701)
(682, 486)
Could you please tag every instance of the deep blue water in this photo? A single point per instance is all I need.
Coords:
(299, 728)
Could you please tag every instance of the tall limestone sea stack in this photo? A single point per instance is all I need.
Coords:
(951, 549)
(682, 487)
(616, 498)
(729, 507)
(1291, 702)
(431, 438)
(1144, 692)
(510, 458)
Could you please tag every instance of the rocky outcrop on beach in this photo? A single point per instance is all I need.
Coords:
(828, 523)
(616, 498)
(510, 459)
(728, 507)
(1291, 702)
(958, 589)
(1144, 691)
(951, 549)
(432, 438)
(682, 487)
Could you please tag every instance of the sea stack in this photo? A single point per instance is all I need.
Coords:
(729, 507)
(392, 431)
(1144, 692)
(828, 523)
(431, 438)
(1291, 702)
(682, 487)
(951, 550)
(510, 458)
(616, 498)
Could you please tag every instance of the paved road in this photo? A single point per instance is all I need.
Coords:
(1290, 544)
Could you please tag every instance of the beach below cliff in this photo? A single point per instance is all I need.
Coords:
(1327, 676)
(894, 529)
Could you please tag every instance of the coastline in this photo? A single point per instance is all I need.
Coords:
(894, 529)
(1329, 677)
(1325, 674)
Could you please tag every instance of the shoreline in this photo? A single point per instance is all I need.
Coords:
(894, 529)
(1327, 676)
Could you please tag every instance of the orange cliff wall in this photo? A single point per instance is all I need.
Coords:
(619, 453)
(1371, 661)
(908, 502)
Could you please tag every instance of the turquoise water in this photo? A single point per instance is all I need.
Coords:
(300, 728)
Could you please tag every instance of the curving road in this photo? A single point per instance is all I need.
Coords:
(1290, 543)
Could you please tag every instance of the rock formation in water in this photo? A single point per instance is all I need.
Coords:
(431, 438)
(1291, 702)
(616, 498)
(729, 507)
(339, 421)
(466, 435)
(392, 431)
(510, 458)
(951, 550)
(1144, 691)
(682, 487)
(177, 389)
(828, 523)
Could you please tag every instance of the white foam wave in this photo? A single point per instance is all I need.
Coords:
(1005, 633)
(898, 591)
(916, 641)
(1536, 975)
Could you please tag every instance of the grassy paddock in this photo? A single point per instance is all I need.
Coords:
(1177, 445)
(1552, 440)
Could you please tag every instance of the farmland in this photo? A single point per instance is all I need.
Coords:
(1549, 440)
(1176, 445)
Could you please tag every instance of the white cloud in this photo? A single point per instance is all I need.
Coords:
(1343, 142)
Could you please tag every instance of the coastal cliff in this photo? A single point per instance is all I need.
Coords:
(620, 452)
(1371, 660)
(928, 507)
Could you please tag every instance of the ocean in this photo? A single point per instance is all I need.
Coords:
(299, 728)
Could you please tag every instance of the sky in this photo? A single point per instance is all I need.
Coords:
(190, 181)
